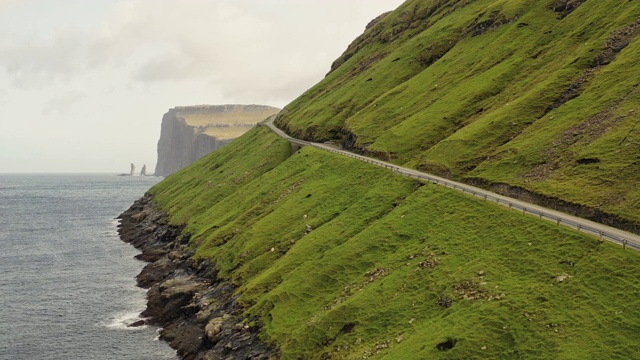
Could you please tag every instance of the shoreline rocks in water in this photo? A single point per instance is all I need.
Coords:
(138, 323)
(181, 292)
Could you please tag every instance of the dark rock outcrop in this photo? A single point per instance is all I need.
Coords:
(191, 132)
(590, 213)
(197, 312)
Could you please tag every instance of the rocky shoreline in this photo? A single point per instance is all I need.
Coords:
(197, 313)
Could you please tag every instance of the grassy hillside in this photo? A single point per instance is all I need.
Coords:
(338, 259)
(541, 95)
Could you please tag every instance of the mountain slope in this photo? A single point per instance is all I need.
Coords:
(333, 258)
(540, 96)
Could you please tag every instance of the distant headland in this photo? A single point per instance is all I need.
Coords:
(191, 132)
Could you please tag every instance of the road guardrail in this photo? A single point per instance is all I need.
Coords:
(533, 210)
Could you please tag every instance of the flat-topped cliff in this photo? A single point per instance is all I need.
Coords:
(190, 132)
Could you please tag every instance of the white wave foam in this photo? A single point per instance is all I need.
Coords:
(113, 227)
(122, 321)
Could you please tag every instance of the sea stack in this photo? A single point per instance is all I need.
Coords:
(191, 132)
(143, 172)
(133, 170)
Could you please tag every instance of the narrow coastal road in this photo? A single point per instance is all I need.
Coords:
(601, 231)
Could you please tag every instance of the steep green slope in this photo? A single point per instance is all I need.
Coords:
(541, 95)
(339, 259)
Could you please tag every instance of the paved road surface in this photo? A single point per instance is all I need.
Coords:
(601, 231)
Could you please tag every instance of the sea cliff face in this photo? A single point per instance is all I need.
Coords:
(190, 132)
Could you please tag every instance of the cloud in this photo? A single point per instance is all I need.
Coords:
(242, 47)
(62, 104)
(31, 64)
(5, 3)
(178, 40)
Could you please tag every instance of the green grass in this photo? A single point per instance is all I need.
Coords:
(353, 287)
(334, 257)
(187, 194)
(420, 90)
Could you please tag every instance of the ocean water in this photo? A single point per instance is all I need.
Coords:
(67, 287)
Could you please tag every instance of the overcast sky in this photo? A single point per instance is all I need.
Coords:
(84, 84)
